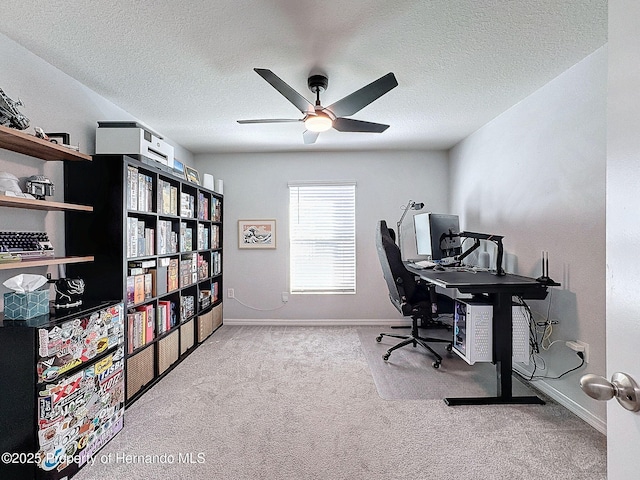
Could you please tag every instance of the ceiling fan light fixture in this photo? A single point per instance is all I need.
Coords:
(318, 123)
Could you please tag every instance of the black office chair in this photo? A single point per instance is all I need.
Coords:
(412, 297)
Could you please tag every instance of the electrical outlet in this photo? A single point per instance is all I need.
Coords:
(285, 297)
(585, 345)
(231, 293)
(579, 346)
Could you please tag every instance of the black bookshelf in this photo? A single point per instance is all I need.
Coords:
(107, 183)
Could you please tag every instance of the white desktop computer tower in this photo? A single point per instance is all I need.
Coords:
(473, 332)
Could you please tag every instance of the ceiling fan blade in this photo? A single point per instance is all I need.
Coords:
(363, 97)
(304, 105)
(271, 120)
(351, 125)
(310, 137)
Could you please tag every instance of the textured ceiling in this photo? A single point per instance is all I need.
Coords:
(186, 68)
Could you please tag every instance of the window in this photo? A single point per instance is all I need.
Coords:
(322, 233)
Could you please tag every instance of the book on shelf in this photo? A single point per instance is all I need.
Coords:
(147, 323)
(142, 193)
(161, 317)
(130, 290)
(164, 197)
(205, 298)
(174, 200)
(166, 318)
(132, 192)
(139, 195)
(140, 326)
(132, 335)
(216, 264)
(187, 205)
(186, 237)
(203, 268)
(145, 193)
(187, 307)
(148, 286)
(216, 209)
(187, 270)
(203, 237)
(150, 263)
(140, 238)
(203, 206)
(173, 270)
(167, 238)
(215, 236)
(138, 289)
(162, 272)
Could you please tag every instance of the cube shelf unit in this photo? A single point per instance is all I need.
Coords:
(157, 243)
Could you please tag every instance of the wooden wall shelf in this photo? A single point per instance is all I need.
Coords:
(44, 262)
(21, 142)
(32, 204)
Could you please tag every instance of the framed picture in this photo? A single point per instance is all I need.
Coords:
(178, 168)
(191, 174)
(59, 138)
(256, 234)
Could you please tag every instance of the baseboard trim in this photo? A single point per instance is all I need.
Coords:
(597, 423)
(315, 322)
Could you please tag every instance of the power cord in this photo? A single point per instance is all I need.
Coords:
(536, 377)
(544, 329)
(259, 309)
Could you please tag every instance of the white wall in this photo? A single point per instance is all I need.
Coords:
(56, 103)
(536, 174)
(255, 187)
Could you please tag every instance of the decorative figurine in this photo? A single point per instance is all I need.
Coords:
(40, 134)
(10, 116)
(40, 186)
(68, 292)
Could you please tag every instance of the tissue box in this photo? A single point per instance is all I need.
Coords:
(22, 306)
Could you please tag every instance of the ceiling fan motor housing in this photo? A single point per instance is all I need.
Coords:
(318, 83)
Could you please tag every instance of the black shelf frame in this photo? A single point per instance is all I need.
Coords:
(102, 183)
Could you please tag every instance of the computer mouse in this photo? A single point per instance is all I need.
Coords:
(439, 268)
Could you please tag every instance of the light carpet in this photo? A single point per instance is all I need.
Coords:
(292, 403)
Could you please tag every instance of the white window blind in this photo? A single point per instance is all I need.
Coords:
(323, 237)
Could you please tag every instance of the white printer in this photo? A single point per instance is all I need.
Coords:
(132, 138)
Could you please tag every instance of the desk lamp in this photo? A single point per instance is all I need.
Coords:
(411, 205)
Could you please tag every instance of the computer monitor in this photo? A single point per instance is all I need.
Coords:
(435, 235)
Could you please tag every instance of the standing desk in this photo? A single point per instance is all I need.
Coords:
(500, 290)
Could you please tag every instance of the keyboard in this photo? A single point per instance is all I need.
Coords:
(28, 245)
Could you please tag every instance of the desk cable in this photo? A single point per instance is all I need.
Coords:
(547, 330)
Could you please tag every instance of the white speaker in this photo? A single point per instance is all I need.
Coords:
(218, 188)
(207, 181)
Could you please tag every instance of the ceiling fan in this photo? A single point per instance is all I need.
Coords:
(318, 118)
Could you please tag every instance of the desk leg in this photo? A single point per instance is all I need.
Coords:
(503, 355)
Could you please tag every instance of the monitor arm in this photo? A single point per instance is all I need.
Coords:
(497, 239)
